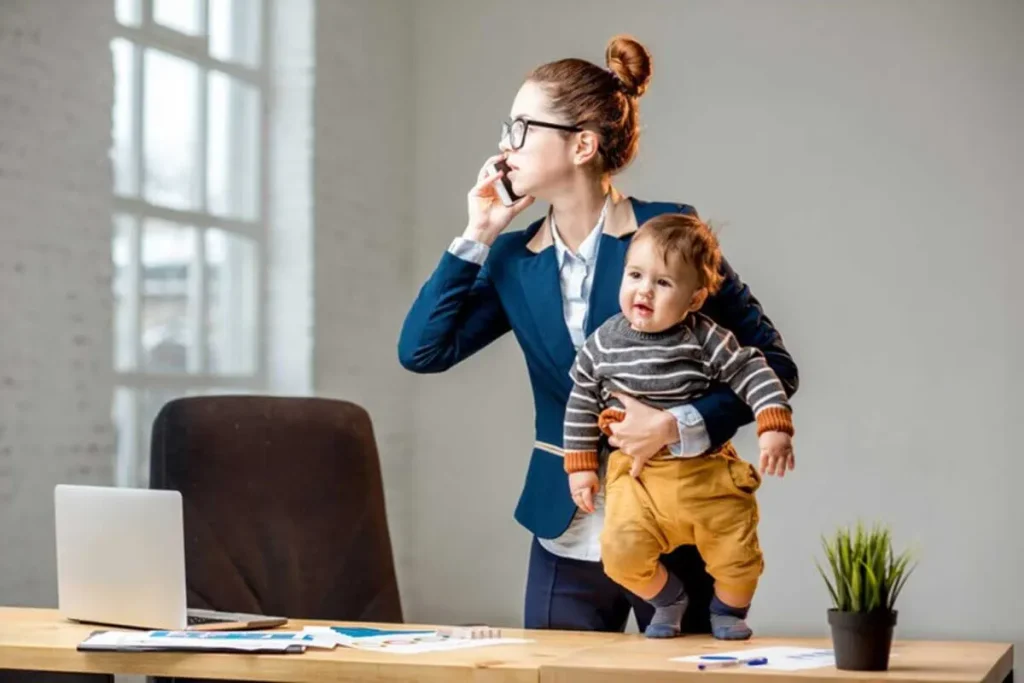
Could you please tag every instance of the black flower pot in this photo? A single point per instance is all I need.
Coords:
(862, 640)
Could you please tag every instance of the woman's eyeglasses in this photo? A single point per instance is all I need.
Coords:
(515, 130)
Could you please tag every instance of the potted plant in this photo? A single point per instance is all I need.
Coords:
(866, 578)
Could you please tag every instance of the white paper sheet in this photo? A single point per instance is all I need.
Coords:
(405, 642)
(242, 641)
(780, 658)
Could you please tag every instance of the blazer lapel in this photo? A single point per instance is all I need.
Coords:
(620, 224)
(604, 295)
(539, 278)
(542, 290)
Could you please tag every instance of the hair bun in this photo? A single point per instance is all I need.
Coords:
(631, 63)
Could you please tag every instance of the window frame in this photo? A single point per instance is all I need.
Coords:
(133, 385)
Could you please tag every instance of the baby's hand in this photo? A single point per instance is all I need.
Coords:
(584, 486)
(776, 453)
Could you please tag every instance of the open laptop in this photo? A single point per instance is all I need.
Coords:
(121, 562)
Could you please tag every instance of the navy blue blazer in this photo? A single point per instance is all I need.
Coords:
(463, 307)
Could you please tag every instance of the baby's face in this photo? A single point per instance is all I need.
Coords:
(654, 295)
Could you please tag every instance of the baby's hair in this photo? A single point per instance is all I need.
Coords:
(689, 238)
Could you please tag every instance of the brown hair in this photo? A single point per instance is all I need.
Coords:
(603, 100)
(689, 238)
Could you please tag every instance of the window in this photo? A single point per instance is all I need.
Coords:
(189, 230)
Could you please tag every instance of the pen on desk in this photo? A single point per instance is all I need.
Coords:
(721, 664)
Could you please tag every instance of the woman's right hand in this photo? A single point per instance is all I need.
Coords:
(487, 215)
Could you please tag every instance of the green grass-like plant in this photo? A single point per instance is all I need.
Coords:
(866, 575)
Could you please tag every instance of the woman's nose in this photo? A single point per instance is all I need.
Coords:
(504, 145)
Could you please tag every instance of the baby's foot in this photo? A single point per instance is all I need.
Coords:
(727, 627)
(669, 606)
(667, 620)
(727, 622)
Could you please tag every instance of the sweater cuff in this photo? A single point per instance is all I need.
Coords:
(607, 417)
(775, 419)
(580, 461)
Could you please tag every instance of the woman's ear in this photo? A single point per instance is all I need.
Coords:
(698, 299)
(587, 146)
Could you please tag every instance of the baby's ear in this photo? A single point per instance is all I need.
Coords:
(698, 299)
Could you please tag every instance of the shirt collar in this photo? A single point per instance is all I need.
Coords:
(588, 248)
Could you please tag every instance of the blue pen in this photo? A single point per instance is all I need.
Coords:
(719, 662)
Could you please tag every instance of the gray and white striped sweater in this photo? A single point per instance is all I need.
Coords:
(663, 370)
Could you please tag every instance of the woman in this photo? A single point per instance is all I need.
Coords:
(573, 126)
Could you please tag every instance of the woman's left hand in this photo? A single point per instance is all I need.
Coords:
(643, 432)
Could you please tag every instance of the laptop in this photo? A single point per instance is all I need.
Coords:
(121, 562)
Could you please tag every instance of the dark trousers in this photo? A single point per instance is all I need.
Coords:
(577, 596)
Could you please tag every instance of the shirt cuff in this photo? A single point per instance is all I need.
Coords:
(469, 250)
(693, 434)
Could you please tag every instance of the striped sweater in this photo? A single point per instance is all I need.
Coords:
(663, 370)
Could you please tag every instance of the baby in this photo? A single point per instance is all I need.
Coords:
(662, 352)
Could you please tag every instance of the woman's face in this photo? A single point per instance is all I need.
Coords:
(545, 161)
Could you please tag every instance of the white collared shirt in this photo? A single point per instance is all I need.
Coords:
(576, 275)
(581, 540)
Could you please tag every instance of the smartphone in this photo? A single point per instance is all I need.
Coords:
(504, 187)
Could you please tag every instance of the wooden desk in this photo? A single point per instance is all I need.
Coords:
(40, 640)
(648, 661)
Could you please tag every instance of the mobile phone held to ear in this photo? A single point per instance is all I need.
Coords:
(504, 186)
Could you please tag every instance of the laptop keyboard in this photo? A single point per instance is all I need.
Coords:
(194, 620)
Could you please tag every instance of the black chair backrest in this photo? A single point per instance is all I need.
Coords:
(283, 506)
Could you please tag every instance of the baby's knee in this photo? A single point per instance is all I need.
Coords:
(630, 555)
(736, 567)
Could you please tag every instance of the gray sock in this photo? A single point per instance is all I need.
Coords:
(669, 606)
(727, 622)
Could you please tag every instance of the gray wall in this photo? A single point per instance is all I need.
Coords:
(56, 326)
(362, 218)
(864, 158)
